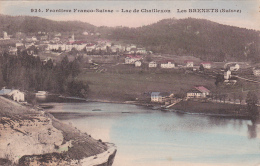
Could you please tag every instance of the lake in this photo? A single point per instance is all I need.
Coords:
(146, 137)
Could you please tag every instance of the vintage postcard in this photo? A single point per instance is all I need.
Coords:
(130, 83)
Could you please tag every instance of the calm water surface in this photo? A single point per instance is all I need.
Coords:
(146, 137)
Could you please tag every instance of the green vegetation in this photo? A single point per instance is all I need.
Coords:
(197, 37)
(129, 86)
(28, 24)
(252, 100)
(233, 110)
(27, 72)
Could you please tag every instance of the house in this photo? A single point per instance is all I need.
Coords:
(128, 48)
(130, 59)
(167, 64)
(19, 44)
(56, 39)
(34, 38)
(85, 33)
(57, 35)
(206, 65)
(13, 50)
(90, 47)
(256, 71)
(17, 95)
(138, 63)
(41, 94)
(141, 51)
(198, 92)
(234, 67)
(152, 64)
(5, 36)
(160, 97)
(227, 74)
(189, 63)
(45, 37)
(5, 91)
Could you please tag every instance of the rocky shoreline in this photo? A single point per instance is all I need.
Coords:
(32, 137)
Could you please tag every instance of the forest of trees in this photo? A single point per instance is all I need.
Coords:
(29, 73)
(29, 24)
(196, 37)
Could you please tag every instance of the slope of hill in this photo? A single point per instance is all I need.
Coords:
(197, 37)
(28, 24)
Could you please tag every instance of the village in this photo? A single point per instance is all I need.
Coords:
(103, 56)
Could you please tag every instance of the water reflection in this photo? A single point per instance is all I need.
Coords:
(252, 129)
(147, 137)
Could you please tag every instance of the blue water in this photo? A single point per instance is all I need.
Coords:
(146, 137)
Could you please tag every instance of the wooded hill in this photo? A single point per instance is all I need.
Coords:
(195, 37)
(28, 24)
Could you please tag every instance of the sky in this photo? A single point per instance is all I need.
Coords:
(246, 15)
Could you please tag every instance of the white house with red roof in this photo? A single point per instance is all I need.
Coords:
(167, 64)
(206, 65)
(90, 47)
(198, 92)
(130, 59)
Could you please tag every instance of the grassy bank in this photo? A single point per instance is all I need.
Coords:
(131, 85)
(233, 110)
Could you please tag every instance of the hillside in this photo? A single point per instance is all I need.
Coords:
(194, 37)
(197, 37)
(28, 24)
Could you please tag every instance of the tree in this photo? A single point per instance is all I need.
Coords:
(219, 79)
(235, 96)
(240, 97)
(252, 100)
(201, 68)
(78, 89)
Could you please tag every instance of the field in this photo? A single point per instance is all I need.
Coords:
(132, 85)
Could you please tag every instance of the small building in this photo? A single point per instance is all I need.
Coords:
(138, 63)
(18, 44)
(130, 59)
(206, 65)
(90, 47)
(168, 64)
(5, 91)
(227, 74)
(234, 67)
(160, 97)
(256, 71)
(13, 50)
(141, 51)
(198, 92)
(85, 33)
(189, 63)
(17, 95)
(152, 64)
